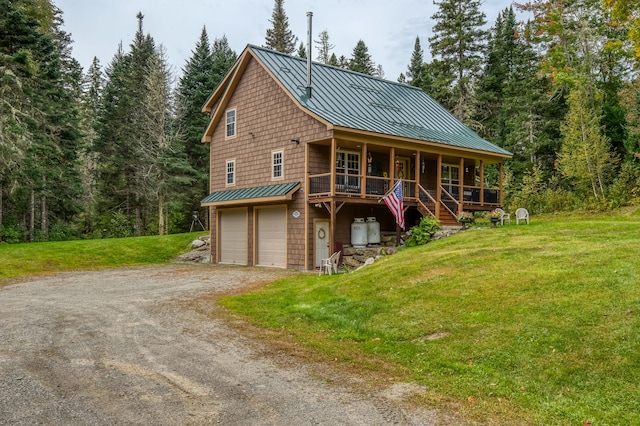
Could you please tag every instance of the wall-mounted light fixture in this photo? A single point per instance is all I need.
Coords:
(296, 140)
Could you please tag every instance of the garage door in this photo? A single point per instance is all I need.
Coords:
(272, 237)
(233, 236)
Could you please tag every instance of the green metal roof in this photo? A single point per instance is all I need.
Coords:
(279, 190)
(357, 101)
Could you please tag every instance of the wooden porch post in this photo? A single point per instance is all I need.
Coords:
(500, 183)
(438, 186)
(392, 164)
(482, 182)
(363, 171)
(461, 190)
(332, 179)
(332, 234)
(417, 194)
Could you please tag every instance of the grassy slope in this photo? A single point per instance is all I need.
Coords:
(20, 260)
(519, 324)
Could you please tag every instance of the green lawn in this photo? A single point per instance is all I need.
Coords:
(535, 324)
(20, 260)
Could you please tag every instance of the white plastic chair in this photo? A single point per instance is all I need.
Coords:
(330, 265)
(503, 216)
(522, 214)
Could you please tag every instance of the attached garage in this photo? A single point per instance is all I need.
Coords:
(271, 236)
(251, 224)
(233, 236)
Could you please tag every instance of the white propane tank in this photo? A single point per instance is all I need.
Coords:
(373, 231)
(358, 233)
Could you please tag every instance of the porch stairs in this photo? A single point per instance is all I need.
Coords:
(446, 218)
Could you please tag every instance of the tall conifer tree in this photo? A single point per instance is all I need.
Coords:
(361, 60)
(458, 42)
(279, 37)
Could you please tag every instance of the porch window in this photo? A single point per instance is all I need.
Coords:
(231, 172)
(276, 165)
(451, 179)
(231, 123)
(348, 171)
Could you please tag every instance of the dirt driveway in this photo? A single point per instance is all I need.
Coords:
(118, 347)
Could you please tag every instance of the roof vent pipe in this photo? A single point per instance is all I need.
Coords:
(309, 52)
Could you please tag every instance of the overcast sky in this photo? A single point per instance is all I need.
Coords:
(388, 28)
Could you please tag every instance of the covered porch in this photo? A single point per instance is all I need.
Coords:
(439, 184)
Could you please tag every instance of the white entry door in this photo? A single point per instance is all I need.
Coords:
(321, 241)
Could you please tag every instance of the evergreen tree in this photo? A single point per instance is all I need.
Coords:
(514, 110)
(333, 60)
(324, 48)
(302, 52)
(121, 172)
(415, 73)
(91, 101)
(42, 123)
(458, 42)
(279, 36)
(361, 60)
(201, 75)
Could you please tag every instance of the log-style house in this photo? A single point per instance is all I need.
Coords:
(299, 150)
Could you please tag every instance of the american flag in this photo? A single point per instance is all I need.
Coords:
(393, 200)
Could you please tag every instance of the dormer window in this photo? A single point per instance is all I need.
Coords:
(231, 123)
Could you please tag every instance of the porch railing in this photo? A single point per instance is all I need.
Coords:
(377, 186)
(471, 195)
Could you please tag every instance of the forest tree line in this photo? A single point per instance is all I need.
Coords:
(115, 151)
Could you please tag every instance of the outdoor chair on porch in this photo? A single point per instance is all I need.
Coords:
(504, 216)
(330, 265)
(522, 214)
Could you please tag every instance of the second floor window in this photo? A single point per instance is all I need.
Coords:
(276, 165)
(231, 123)
(231, 172)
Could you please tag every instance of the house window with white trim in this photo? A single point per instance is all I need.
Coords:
(231, 172)
(277, 163)
(231, 123)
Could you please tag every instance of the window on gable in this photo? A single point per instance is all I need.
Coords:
(276, 165)
(231, 123)
(231, 172)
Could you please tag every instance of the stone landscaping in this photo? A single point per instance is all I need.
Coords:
(353, 258)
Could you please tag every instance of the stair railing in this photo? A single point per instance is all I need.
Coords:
(449, 202)
(424, 198)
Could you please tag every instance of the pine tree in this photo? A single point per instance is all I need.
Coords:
(302, 52)
(361, 60)
(324, 48)
(279, 37)
(201, 75)
(121, 176)
(91, 101)
(415, 73)
(41, 74)
(458, 42)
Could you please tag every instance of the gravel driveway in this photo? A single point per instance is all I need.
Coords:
(118, 347)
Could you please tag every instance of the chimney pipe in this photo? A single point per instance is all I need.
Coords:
(309, 52)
